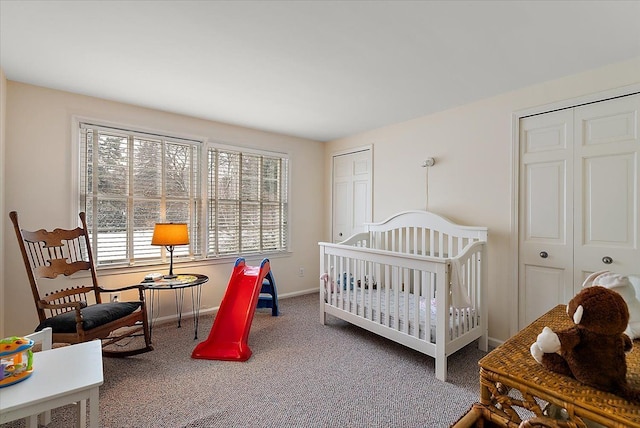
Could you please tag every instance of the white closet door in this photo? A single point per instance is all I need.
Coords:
(351, 194)
(607, 151)
(546, 231)
(579, 188)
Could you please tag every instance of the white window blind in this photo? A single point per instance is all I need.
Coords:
(131, 180)
(247, 203)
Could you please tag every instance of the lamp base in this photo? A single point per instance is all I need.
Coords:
(169, 276)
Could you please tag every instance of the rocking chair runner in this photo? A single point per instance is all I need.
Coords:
(72, 316)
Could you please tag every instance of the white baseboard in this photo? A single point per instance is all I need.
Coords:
(206, 311)
(494, 343)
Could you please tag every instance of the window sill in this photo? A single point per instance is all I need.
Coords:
(252, 259)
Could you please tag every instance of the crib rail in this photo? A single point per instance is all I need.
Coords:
(358, 240)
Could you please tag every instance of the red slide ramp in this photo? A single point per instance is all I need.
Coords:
(228, 336)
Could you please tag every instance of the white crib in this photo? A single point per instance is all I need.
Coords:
(415, 278)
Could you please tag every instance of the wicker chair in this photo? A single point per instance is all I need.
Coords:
(77, 314)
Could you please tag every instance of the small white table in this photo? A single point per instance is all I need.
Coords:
(60, 376)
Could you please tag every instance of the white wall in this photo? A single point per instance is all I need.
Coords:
(3, 112)
(471, 182)
(38, 177)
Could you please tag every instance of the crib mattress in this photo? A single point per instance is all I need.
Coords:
(460, 319)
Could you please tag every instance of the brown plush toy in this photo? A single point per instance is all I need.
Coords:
(592, 351)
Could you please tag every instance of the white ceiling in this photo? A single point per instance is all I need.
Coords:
(315, 69)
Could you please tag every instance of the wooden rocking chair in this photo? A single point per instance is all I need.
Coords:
(71, 312)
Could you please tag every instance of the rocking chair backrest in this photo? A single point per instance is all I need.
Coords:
(48, 254)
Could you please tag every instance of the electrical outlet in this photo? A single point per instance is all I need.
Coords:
(115, 297)
(301, 272)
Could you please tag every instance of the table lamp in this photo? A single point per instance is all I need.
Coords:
(170, 235)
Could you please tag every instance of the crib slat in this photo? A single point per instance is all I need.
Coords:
(387, 282)
(463, 312)
(432, 243)
(377, 289)
(407, 239)
(369, 284)
(406, 288)
(340, 282)
(424, 314)
(432, 296)
(332, 278)
(396, 293)
(393, 240)
(344, 277)
(417, 292)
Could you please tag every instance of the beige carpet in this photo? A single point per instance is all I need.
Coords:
(301, 374)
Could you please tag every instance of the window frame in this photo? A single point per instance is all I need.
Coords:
(202, 216)
(287, 230)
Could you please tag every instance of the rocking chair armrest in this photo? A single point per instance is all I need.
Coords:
(139, 287)
(114, 290)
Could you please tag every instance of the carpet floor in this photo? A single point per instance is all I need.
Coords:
(301, 374)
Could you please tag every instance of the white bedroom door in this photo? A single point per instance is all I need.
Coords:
(579, 200)
(351, 196)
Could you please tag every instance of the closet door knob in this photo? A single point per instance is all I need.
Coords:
(340, 234)
(544, 254)
(607, 260)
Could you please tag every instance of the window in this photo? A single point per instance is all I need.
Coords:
(247, 203)
(131, 180)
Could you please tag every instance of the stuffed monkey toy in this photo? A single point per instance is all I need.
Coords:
(593, 350)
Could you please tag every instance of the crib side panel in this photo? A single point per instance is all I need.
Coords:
(392, 290)
(469, 322)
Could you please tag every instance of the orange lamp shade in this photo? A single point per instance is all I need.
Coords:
(170, 234)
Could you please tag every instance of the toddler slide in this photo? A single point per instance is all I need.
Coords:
(230, 331)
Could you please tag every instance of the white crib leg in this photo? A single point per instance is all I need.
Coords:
(323, 314)
(441, 366)
(483, 342)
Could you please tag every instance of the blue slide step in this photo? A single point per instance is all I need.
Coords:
(269, 295)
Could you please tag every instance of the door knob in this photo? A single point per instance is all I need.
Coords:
(607, 260)
(340, 234)
(544, 254)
